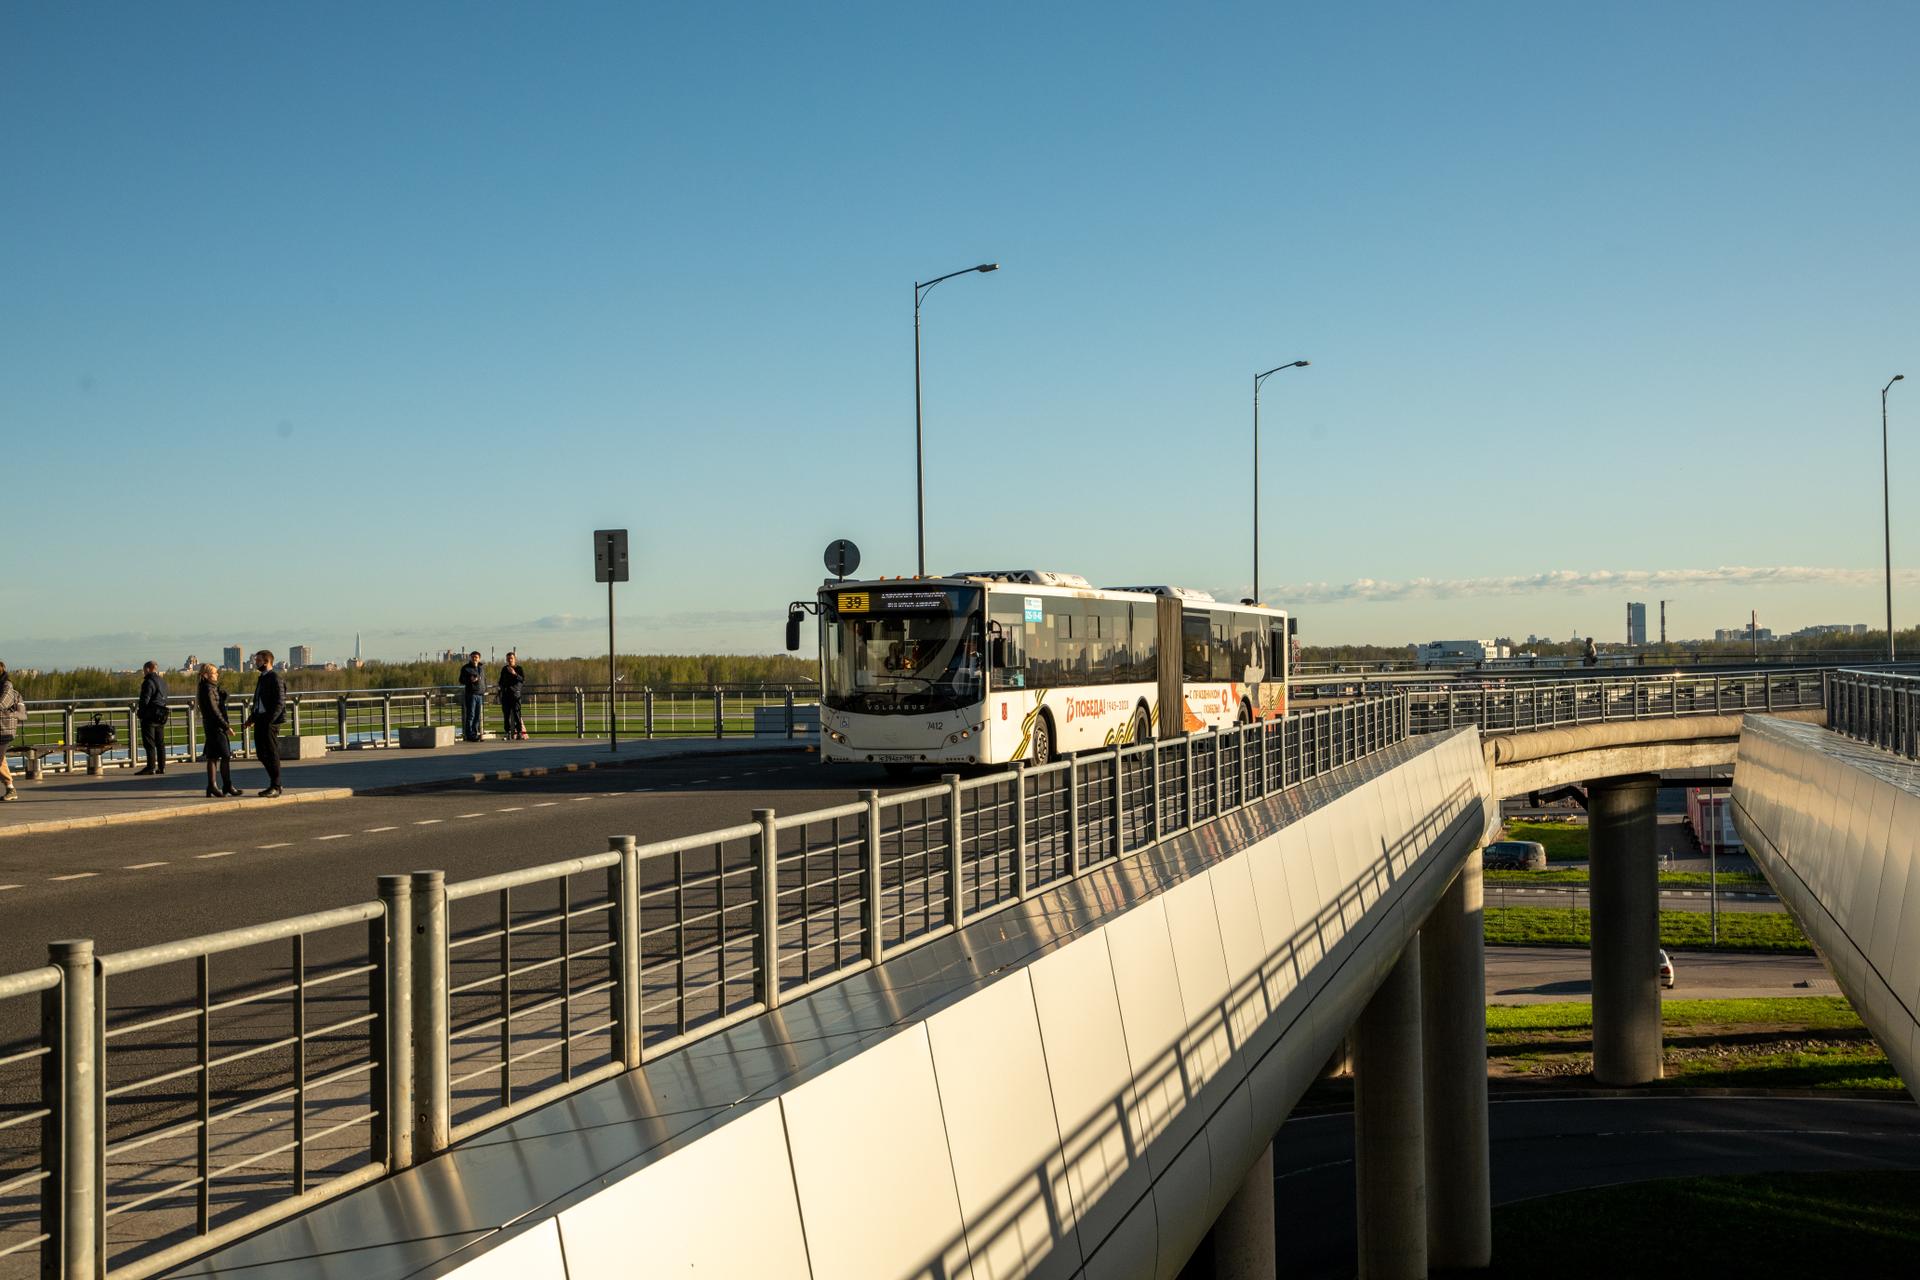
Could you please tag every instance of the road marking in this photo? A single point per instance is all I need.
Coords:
(512, 808)
(342, 836)
(471, 815)
(428, 822)
(281, 845)
(546, 804)
(142, 866)
(78, 875)
(224, 853)
(372, 830)
(583, 797)
(5, 887)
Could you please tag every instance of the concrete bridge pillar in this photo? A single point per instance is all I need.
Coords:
(1625, 893)
(1242, 1244)
(1453, 994)
(1389, 1148)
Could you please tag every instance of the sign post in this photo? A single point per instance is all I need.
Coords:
(610, 566)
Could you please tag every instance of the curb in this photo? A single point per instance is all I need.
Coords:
(309, 796)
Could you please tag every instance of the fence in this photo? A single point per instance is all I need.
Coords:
(373, 718)
(180, 1095)
(1877, 707)
(1499, 708)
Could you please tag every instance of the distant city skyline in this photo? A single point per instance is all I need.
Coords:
(1591, 315)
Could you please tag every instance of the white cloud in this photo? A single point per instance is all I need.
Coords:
(1576, 581)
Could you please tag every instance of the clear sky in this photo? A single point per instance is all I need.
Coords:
(327, 318)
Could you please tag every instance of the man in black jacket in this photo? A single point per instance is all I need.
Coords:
(473, 686)
(269, 707)
(152, 712)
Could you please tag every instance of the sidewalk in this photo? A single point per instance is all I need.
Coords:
(64, 802)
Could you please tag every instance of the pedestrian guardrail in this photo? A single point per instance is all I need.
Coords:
(354, 719)
(180, 1095)
(1497, 707)
(1881, 708)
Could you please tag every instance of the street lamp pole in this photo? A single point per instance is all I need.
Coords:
(1259, 378)
(920, 291)
(1886, 506)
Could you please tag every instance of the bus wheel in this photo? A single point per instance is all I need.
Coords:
(1246, 715)
(1042, 742)
(1142, 727)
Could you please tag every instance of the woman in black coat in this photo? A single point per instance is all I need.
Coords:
(213, 719)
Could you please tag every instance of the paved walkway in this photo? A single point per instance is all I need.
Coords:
(64, 802)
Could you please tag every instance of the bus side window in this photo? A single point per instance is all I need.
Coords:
(1196, 661)
(1276, 651)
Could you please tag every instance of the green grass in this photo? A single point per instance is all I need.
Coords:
(1824, 1013)
(1757, 1226)
(1563, 841)
(1729, 880)
(1772, 931)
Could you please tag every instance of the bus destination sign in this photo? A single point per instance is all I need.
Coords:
(906, 601)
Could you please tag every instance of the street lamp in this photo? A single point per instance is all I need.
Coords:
(919, 460)
(1259, 378)
(1886, 507)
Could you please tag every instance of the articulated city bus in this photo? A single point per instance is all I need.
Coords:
(992, 667)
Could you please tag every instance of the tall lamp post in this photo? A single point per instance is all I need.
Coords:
(1259, 378)
(1886, 507)
(920, 290)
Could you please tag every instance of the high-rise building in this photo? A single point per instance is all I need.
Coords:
(231, 658)
(1636, 623)
(300, 655)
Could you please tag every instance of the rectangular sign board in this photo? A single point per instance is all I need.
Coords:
(609, 555)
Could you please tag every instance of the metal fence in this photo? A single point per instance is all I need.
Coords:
(1504, 708)
(1877, 707)
(180, 1095)
(373, 718)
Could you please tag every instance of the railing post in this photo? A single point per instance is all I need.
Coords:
(426, 710)
(1193, 787)
(66, 736)
(1716, 695)
(767, 940)
(1119, 845)
(342, 713)
(293, 718)
(647, 705)
(193, 731)
(1219, 773)
(395, 1091)
(1153, 784)
(580, 713)
(719, 714)
(956, 907)
(790, 716)
(870, 902)
(386, 721)
(626, 880)
(432, 1102)
(1073, 815)
(72, 1204)
(1020, 878)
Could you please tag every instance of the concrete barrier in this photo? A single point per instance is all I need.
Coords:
(426, 737)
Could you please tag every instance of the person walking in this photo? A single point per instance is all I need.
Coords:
(13, 714)
(268, 709)
(213, 718)
(153, 713)
(511, 678)
(473, 681)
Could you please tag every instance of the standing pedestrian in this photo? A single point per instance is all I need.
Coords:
(13, 714)
(268, 709)
(473, 681)
(153, 713)
(511, 678)
(213, 718)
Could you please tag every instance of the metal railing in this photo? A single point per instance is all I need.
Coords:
(1503, 708)
(1881, 708)
(373, 718)
(180, 1095)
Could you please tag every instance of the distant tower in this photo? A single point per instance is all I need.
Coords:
(356, 635)
(1663, 622)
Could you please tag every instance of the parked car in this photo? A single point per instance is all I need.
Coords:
(1514, 855)
(1666, 970)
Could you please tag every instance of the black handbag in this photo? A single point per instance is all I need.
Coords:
(97, 734)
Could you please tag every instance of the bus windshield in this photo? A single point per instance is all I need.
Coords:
(904, 651)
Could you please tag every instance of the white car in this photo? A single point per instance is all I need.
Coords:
(1666, 971)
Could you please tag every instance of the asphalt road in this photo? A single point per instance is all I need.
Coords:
(1575, 896)
(1530, 975)
(133, 885)
(1543, 1147)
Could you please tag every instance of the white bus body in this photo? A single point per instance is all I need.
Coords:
(1021, 665)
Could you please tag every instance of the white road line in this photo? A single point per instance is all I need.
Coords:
(373, 830)
(224, 853)
(546, 804)
(583, 797)
(342, 836)
(78, 875)
(470, 815)
(5, 887)
(512, 808)
(428, 822)
(142, 866)
(281, 845)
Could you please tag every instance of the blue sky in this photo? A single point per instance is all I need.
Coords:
(333, 318)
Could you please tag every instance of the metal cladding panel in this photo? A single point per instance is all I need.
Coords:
(1180, 1198)
(1130, 1251)
(871, 1166)
(1233, 1144)
(1273, 900)
(1089, 1078)
(1869, 843)
(1245, 947)
(1001, 1131)
(1889, 935)
(1155, 1023)
(685, 1211)
(534, 1254)
(1200, 964)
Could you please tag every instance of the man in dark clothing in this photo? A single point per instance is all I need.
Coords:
(269, 707)
(473, 680)
(511, 678)
(152, 713)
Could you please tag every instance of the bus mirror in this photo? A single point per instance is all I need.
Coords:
(999, 651)
(793, 631)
